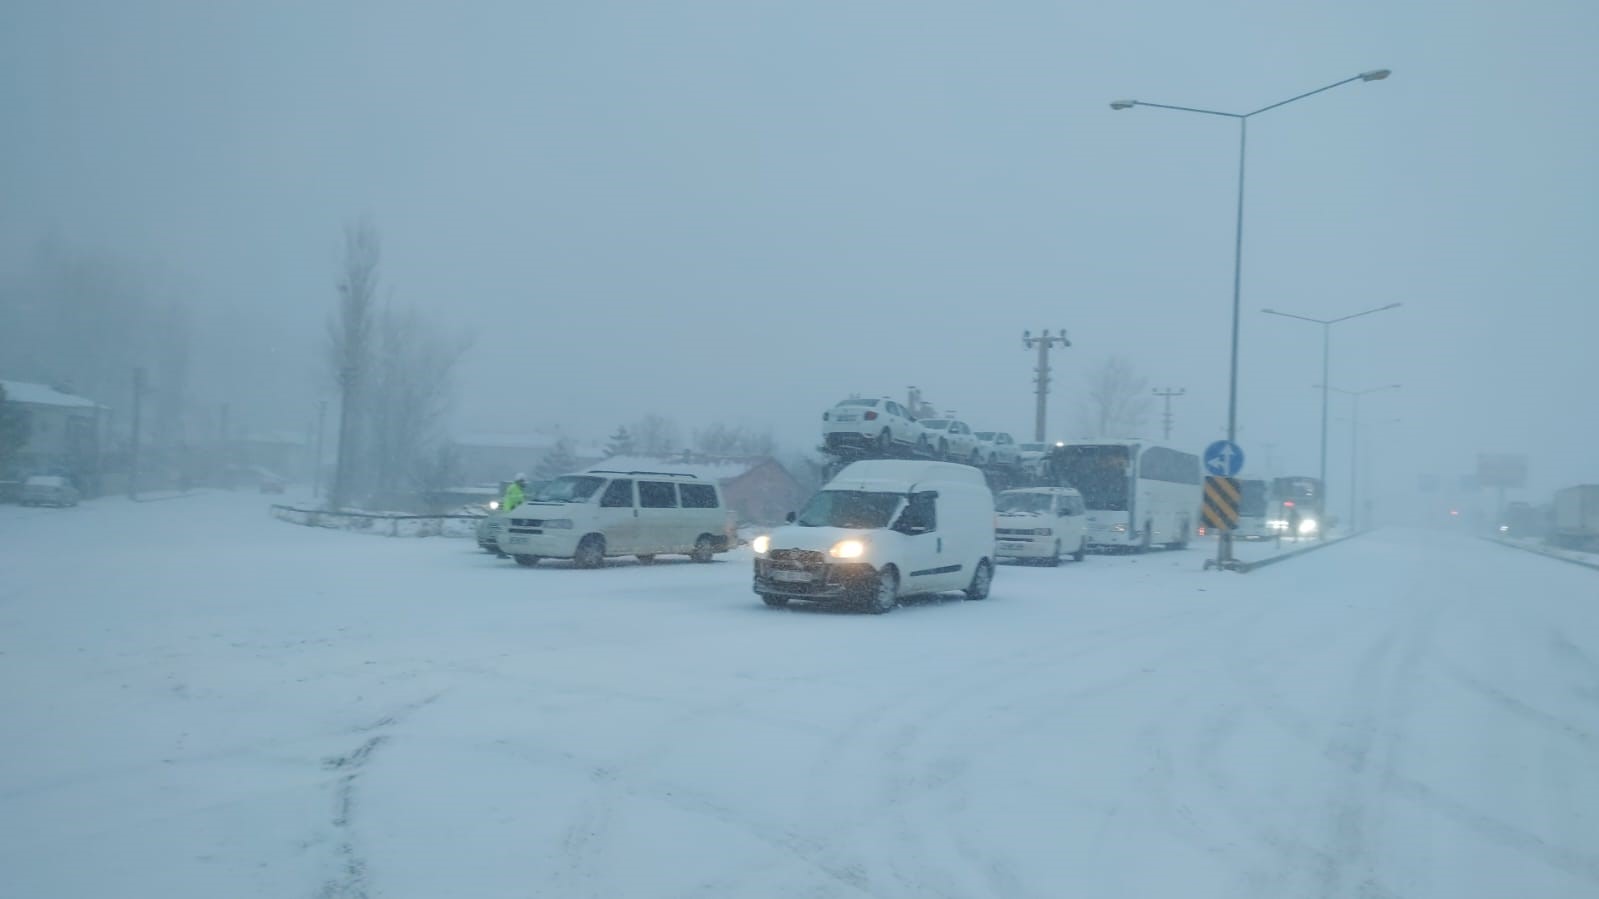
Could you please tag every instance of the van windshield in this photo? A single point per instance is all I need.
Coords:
(570, 489)
(1024, 502)
(850, 509)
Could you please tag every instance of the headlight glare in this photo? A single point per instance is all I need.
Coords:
(494, 505)
(848, 549)
(761, 544)
(1308, 526)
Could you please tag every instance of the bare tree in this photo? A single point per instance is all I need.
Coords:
(654, 435)
(1117, 401)
(350, 343)
(408, 397)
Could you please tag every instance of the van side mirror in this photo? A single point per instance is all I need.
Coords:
(790, 517)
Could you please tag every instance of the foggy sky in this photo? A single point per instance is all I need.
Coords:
(745, 211)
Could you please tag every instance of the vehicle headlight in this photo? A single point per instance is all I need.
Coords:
(761, 544)
(558, 524)
(1503, 528)
(494, 505)
(848, 549)
(1308, 526)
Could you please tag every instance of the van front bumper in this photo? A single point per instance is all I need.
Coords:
(551, 545)
(813, 580)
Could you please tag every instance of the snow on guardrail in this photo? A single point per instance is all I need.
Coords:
(384, 524)
(1575, 557)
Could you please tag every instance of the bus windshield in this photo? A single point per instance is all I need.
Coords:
(849, 509)
(1098, 472)
(1252, 502)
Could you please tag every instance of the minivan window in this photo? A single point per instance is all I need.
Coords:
(1023, 502)
(619, 495)
(698, 496)
(568, 489)
(849, 509)
(657, 495)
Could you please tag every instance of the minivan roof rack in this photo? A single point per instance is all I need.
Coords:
(659, 474)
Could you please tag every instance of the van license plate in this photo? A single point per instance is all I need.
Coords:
(517, 541)
(791, 577)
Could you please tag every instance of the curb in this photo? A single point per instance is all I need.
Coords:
(1246, 567)
(1546, 553)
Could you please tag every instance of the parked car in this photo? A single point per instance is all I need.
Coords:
(998, 448)
(952, 439)
(48, 490)
(1040, 524)
(882, 530)
(872, 424)
(597, 514)
(489, 529)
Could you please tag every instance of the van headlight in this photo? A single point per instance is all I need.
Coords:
(558, 524)
(494, 505)
(1119, 527)
(848, 549)
(761, 544)
(1308, 526)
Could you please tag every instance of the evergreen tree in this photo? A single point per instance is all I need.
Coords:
(620, 444)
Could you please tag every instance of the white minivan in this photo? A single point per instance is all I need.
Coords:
(1040, 524)
(590, 516)
(882, 530)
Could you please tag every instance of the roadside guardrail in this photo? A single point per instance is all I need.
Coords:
(385, 524)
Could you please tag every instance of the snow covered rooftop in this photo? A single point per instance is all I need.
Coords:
(43, 395)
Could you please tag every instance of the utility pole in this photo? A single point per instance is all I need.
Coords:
(1165, 419)
(316, 462)
(341, 471)
(1043, 343)
(133, 441)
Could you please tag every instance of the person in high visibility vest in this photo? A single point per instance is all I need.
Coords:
(513, 493)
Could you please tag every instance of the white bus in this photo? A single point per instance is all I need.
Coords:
(1138, 494)
(1252, 502)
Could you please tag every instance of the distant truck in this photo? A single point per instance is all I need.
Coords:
(1576, 517)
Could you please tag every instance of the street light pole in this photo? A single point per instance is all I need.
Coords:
(1238, 236)
(1326, 353)
(1354, 443)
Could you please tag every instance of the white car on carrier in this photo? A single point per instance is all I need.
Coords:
(999, 449)
(951, 438)
(597, 514)
(878, 425)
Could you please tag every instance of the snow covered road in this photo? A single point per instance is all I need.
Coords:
(200, 701)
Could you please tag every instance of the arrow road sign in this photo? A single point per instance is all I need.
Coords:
(1223, 458)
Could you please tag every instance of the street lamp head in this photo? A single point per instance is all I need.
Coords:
(1375, 74)
(1123, 104)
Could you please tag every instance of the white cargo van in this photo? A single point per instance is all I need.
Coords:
(882, 530)
(590, 516)
(1040, 524)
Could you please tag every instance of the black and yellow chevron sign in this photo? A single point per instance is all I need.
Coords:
(1221, 503)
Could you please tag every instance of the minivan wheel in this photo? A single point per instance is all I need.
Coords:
(886, 596)
(590, 552)
(982, 579)
(1054, 560)
(1082, 550)
(704, 548)
(773, 600)
(526, 561)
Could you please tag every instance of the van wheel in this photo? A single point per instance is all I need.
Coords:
(1054, 560)
(1082, 550)
(526, 561)
(982, 579)
(590, 552)
(645, 558)
(773, 600)
(704, 548)
(886, 596)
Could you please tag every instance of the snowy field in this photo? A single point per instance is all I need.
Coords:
(201, 701)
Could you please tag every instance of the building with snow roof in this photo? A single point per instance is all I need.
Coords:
(63, 434)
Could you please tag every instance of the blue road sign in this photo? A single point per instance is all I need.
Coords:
(1223, 459)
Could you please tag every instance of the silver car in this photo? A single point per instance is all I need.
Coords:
(48, 490)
